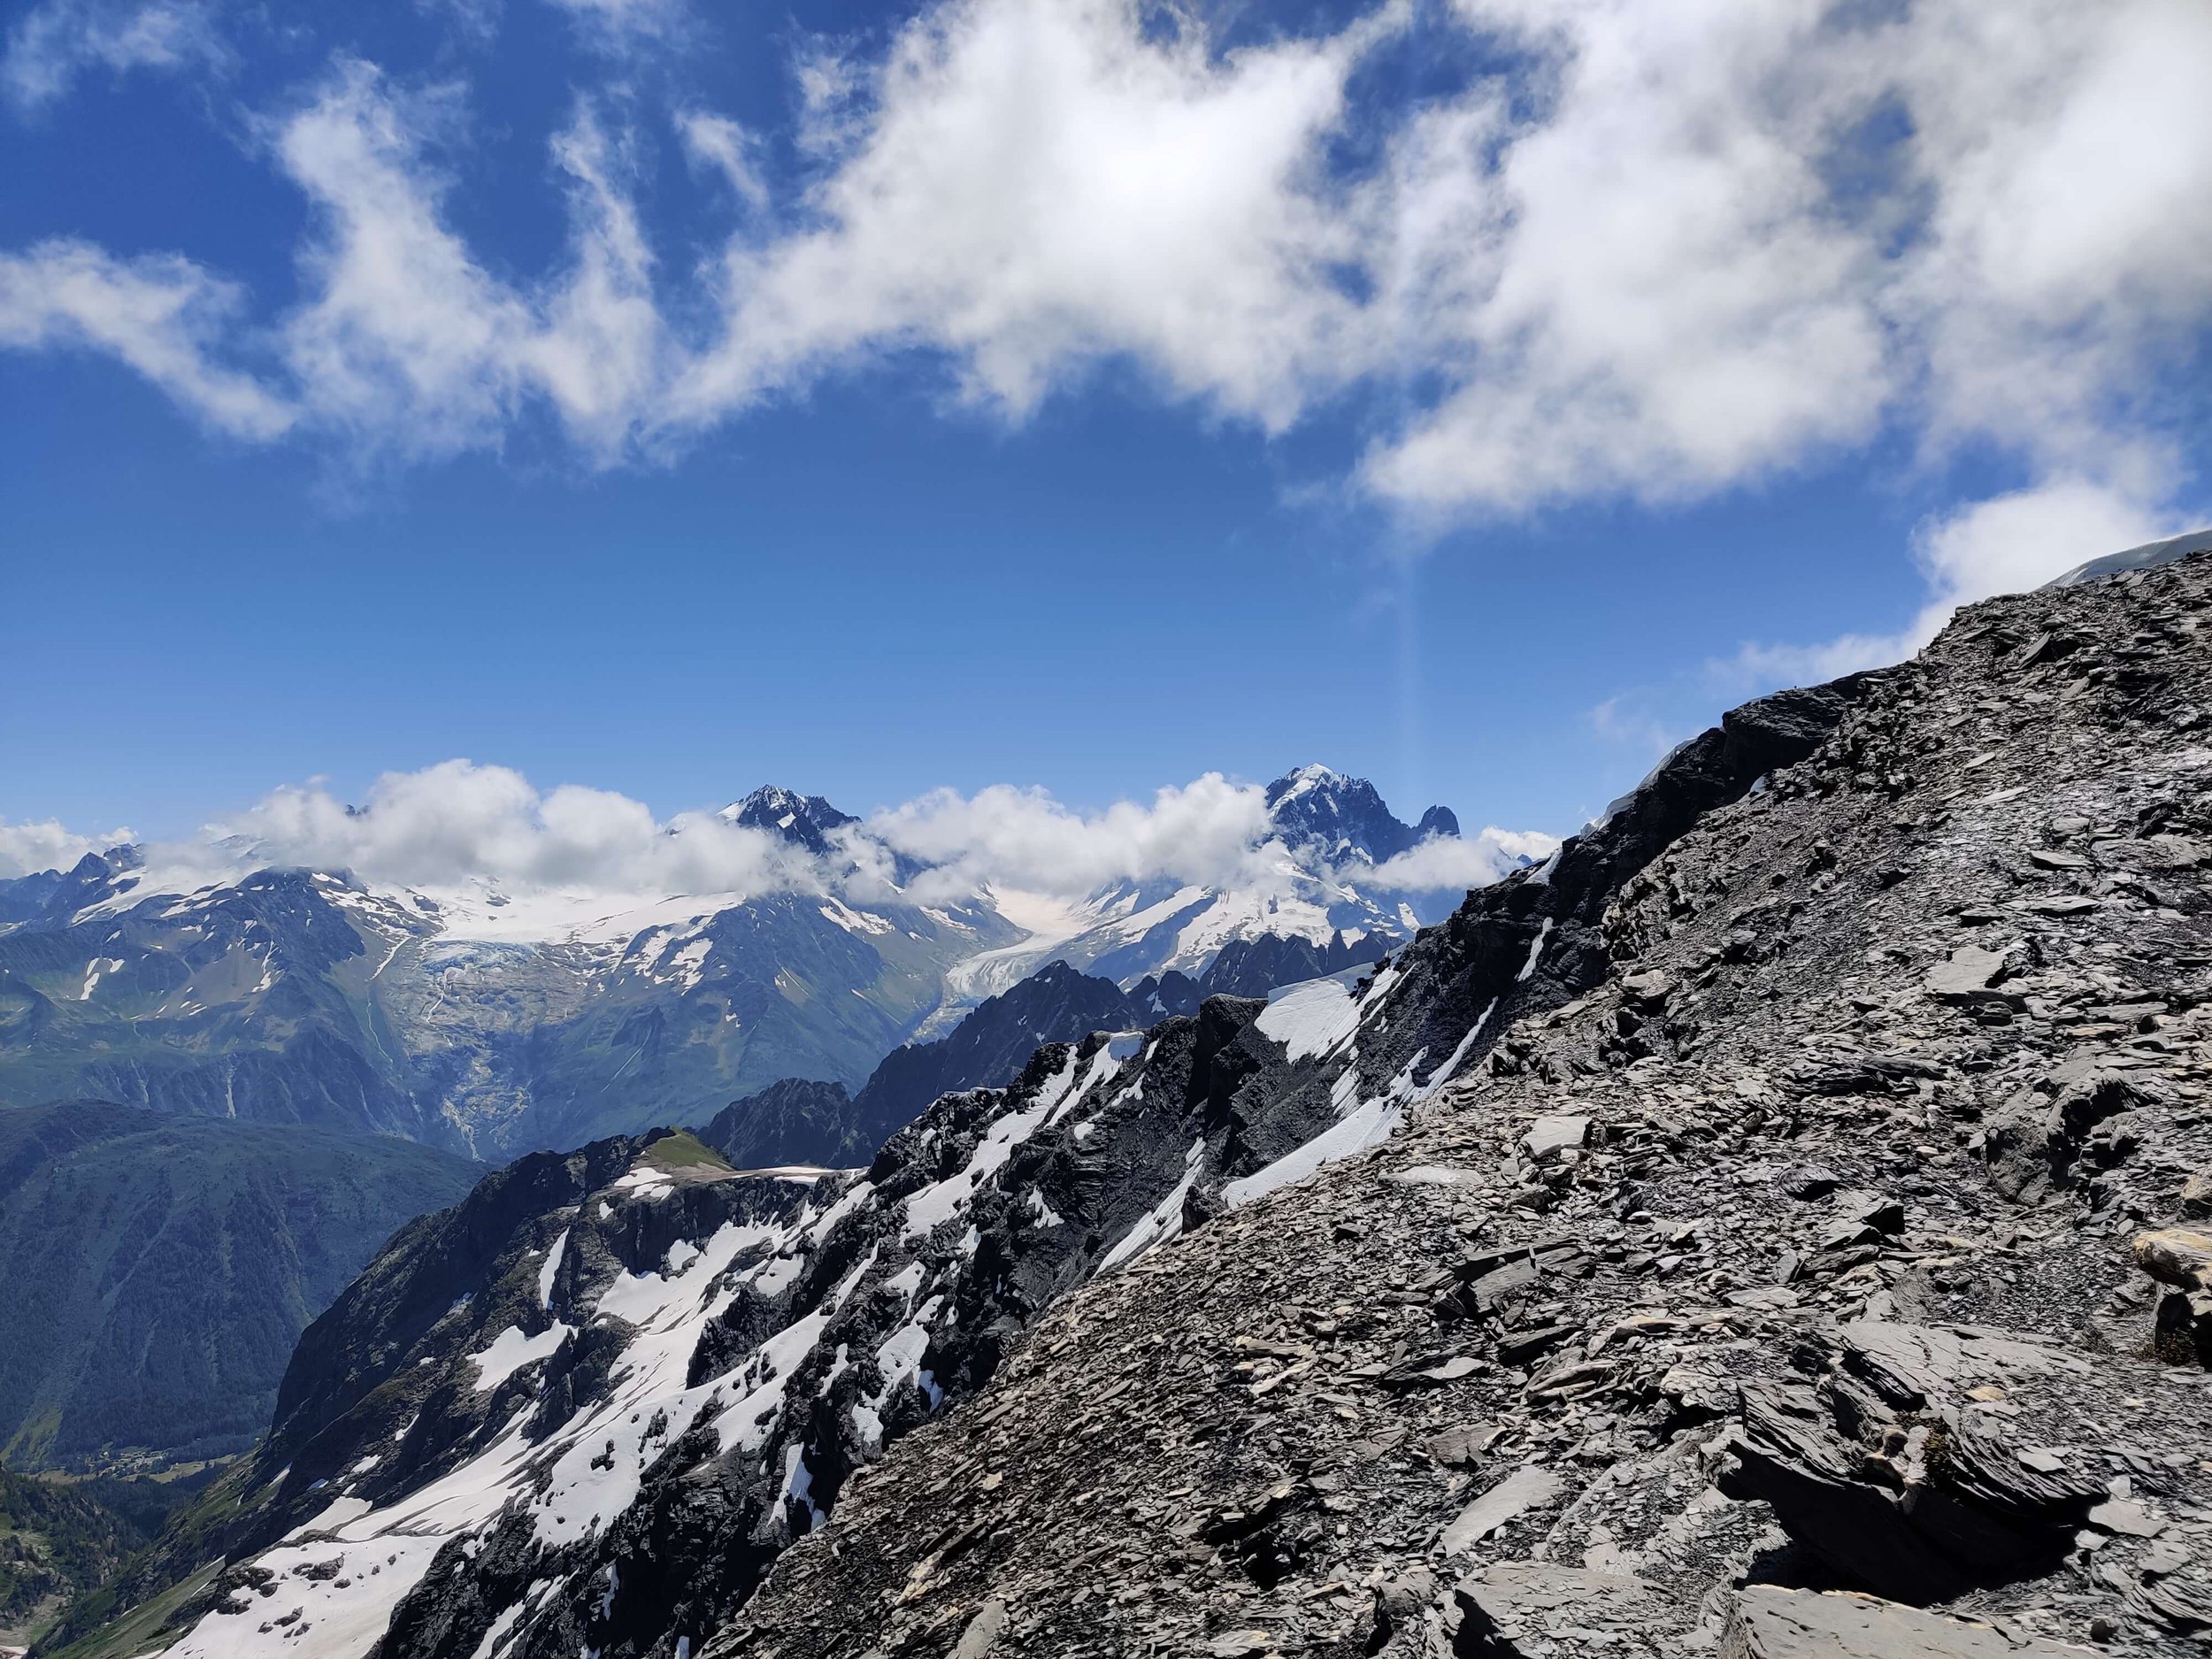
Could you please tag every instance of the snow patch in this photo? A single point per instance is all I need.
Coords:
(1164, 1221)
(1371, 1124)
(1311, 1018)
(548, 1273)
(511, 1351)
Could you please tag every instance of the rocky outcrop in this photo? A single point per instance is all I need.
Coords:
(795, 1120)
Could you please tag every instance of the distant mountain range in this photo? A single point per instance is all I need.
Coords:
(491, 1021)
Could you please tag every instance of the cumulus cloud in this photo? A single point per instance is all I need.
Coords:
(459, 822)
(52, 44)
(2007, 544)
(1041, 184)
(1207, 832)
(1445, 861)
(2065, 156)
(1640, 285)
(43, 844)
(463, 825)
(1648, 250)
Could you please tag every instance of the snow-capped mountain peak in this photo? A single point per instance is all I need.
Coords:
(1346, 818)
(804, 820)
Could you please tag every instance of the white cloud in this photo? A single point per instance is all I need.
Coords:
(1660, 249)
(718, 143)
(408, 342)
(1206, 833)
(2007, 544)
(460, 823)
(162, 315)
(28, 848)
(52, 44)
(1646, 292)
(1444, 862)
(2014, 542)
(1038, 185)
(2067, 154)
(622, 26)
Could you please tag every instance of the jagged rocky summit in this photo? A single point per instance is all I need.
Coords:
(1775, 1226)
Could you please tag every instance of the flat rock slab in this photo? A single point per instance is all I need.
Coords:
(1434, 1175)
(1529, 1487)
(1932, 1360)
(1772, 1624)
(1969, 971)
(1536, 1607)
(1556, 1133)
(983, 1630)
(2177, 1255)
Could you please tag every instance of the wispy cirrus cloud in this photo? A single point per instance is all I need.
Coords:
(622, 27)
(161, 315)
(53, 45)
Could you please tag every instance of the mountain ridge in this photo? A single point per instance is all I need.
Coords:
(801, 1120)
(1099, 1153)
(1647, 1213)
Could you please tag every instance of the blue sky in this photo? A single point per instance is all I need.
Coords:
(669, 398)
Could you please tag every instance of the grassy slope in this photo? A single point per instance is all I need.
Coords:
(155, 1271)
(131, 1611)
(56, 1543)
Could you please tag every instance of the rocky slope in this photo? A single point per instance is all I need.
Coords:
(808, 1121)
(721, 1350)
(155, 1271)
(55, 1543)
(819, 1123)
(1795, 1186)
(1839, 1228)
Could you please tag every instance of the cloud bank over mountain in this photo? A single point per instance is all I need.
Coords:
(460, 823)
